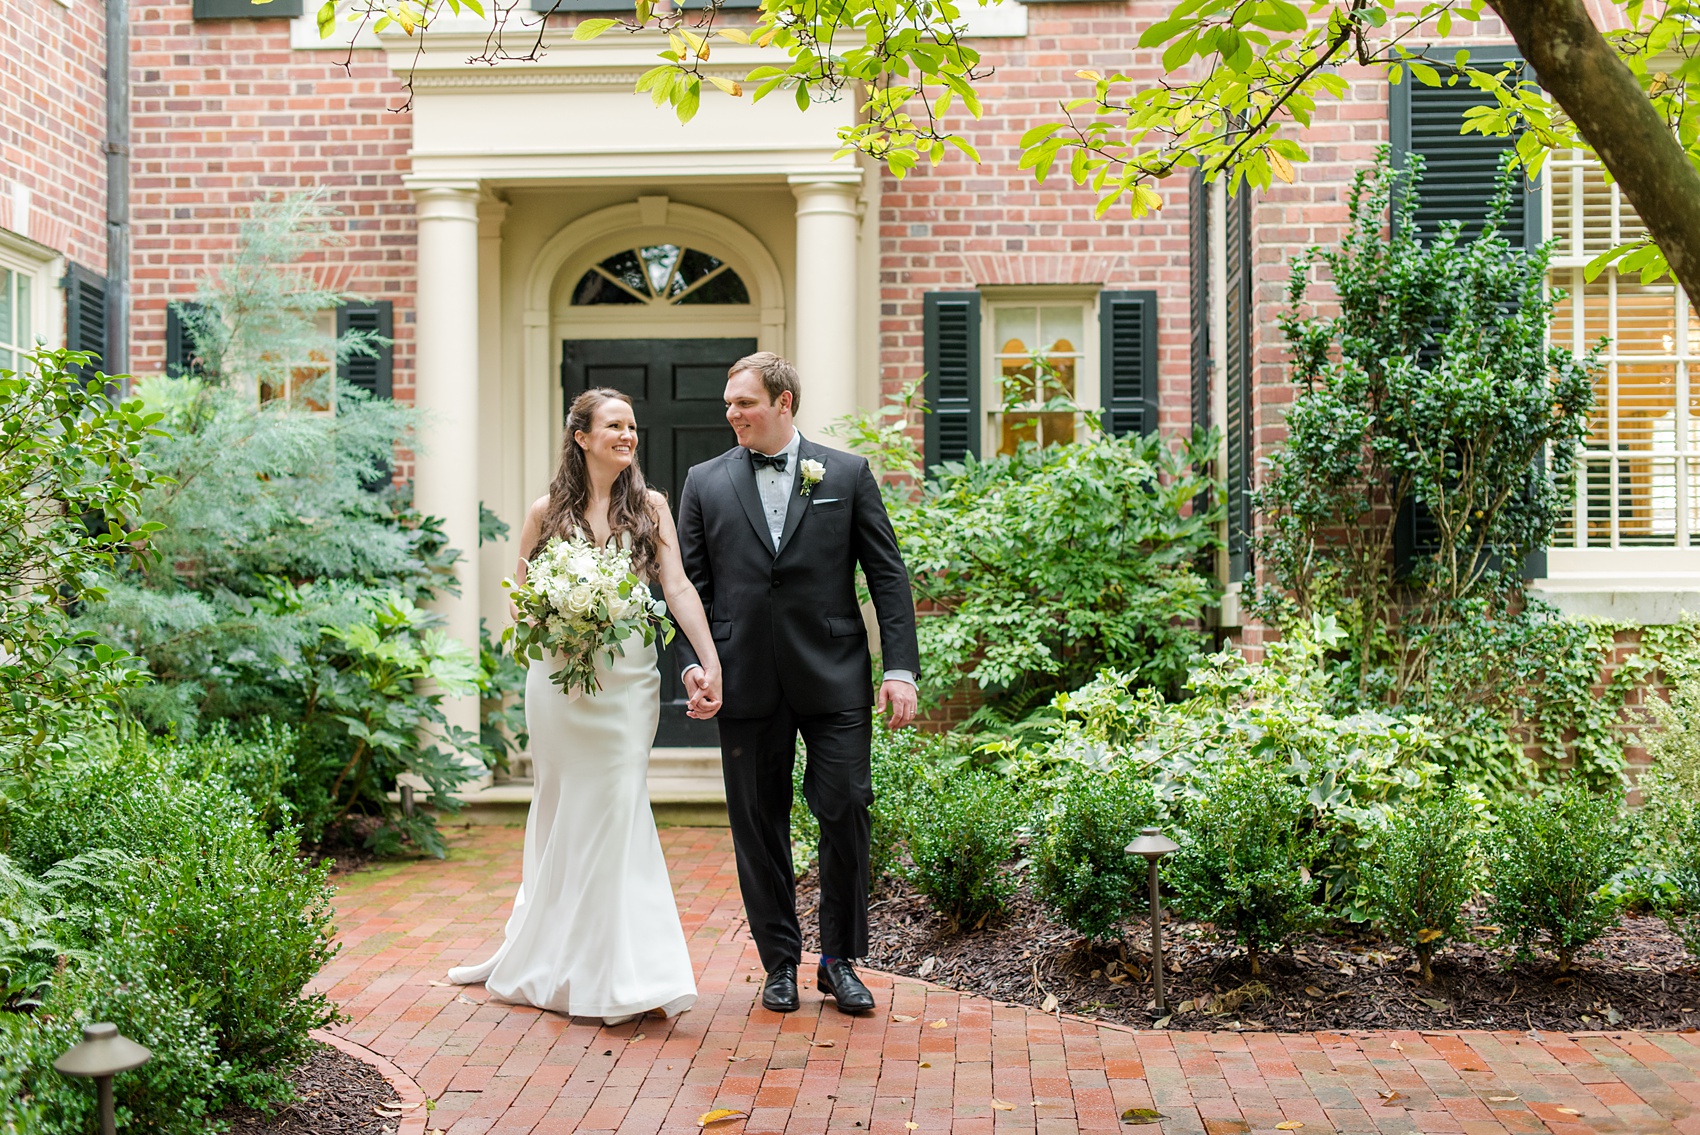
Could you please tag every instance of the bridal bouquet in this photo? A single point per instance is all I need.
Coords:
(578, 599)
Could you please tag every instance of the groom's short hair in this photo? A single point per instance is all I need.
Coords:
(777, 375)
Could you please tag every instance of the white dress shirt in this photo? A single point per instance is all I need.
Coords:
(775, 489)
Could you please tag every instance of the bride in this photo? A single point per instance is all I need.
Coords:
(594, 930)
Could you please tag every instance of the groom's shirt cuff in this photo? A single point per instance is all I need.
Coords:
(688, 669)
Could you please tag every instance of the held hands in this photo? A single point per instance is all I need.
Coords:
(702, 686)
(902, 699)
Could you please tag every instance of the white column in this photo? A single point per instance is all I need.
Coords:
(825, 319)
(445, 471)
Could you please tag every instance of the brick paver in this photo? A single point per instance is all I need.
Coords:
(934, 1058)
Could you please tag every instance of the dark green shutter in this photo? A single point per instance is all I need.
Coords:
(181, 355)
(1198, 297)
(371, 373)
(951, 355)
(1237, 374)
(1460, 170)
(1127, 329)
(85, 314)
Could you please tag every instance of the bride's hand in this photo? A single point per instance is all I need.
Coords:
(704, 683)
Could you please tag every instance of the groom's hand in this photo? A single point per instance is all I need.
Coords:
(902, 699)
(702, 690)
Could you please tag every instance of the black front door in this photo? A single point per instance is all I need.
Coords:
(676, 387)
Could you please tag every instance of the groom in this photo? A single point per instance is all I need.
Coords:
(771, 533)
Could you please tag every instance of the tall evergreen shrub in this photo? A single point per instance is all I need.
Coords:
(1430, 449)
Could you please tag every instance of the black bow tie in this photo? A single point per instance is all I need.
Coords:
(777, 462)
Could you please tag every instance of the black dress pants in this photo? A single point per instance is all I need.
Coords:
(757, 755)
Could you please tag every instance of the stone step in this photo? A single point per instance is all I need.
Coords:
(685, 788)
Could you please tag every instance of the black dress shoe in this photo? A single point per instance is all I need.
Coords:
(838, 979)
(779, 991)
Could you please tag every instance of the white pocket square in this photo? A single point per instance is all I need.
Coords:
(828, 500)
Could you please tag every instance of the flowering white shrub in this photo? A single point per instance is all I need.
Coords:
(578, 599)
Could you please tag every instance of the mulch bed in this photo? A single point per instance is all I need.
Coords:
(1637, 976)
(338, 1095)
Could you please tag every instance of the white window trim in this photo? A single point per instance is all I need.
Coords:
(1087, 391)
(46, 268)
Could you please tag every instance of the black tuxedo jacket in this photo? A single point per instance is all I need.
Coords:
(789, 621)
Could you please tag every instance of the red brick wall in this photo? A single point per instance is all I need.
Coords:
(226, 112)
(53, 124)
(956, 225)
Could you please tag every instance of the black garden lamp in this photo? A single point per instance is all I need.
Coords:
(102, 1055)
(1153, 845)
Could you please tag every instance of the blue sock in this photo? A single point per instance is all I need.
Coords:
(827, 959)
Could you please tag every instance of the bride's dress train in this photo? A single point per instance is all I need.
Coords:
(594, 931)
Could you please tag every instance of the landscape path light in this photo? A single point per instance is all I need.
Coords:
(1153, 845)
(101, 1055)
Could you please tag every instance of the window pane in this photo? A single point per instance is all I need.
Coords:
(659, 260)
(1017, 428)
(7, 331)
(724, 288)
(1646, 318)
(624, 267)
(1018, 324)
(23, 339)
(595, 288)
(694, 265)
(1060, 327)
(1646, 406)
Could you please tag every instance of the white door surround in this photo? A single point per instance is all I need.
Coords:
(566, 256)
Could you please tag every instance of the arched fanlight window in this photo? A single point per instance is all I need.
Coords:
(660, 275)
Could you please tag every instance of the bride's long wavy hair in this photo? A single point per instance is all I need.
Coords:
(630, 510)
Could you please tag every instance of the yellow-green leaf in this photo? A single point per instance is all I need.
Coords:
(590, 29)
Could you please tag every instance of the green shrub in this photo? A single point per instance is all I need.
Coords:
(1081, 868)
(292, 581)
(1422, 873)
(961, 834)
(899, 761)
(71, 479)
(174, 1093)
(1681, 910)
(1049, 564)
(1427, 385)
(182, 871)
(1549, 863)
(1243, 857)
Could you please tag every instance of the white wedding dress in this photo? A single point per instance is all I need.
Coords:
(594, 931)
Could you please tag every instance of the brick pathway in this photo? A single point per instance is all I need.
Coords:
(931, 1058)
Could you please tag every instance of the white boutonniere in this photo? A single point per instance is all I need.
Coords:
(812, 471)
